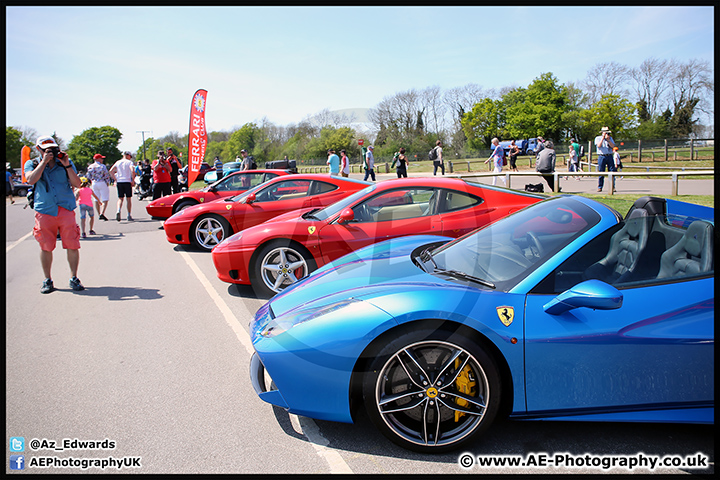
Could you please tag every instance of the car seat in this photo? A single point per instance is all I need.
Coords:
(692, 255)
(624, 252)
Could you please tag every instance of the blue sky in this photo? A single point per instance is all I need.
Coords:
(136, 68)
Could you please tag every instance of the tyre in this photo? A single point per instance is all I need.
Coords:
(20, 192)
(280, 264)
(209, 230)
(184, 204)
(432, 390)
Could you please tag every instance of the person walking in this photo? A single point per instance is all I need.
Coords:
(546, 163)
(84, 198)
(334, 162)
(54, 176)
(438, 162)
(369, 164)
(573, 162)
(497, 158)
(100, 178)
(402, 164)
(579, 153)
(514, 152)
(604, 144)
(344, 164)
(123, 172)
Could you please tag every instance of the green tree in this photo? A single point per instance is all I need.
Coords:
(541, 110)
(14, 142)
(611, 111)
(653, 129)
(217, 149)
(482, 123)
(102, 140)
(681, 122)
(331, 137)
(243, 139)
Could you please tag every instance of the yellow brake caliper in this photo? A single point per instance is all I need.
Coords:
(466, 384)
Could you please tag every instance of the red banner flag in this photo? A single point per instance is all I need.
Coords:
(197, 140)
(24, 157)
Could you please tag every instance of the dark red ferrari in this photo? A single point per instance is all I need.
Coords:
(231, 185)
(279, 252)
(208, 224)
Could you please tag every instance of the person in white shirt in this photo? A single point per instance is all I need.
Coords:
(124, 174)
(344, 164)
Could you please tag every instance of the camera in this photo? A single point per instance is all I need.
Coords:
(57, 154)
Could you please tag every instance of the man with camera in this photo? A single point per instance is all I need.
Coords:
(54, 177)
(604, 144)
(161, 176)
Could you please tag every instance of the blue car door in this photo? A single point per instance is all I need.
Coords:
(655, 350)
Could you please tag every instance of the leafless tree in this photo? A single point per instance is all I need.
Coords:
(461, 99)
(693, 81)
(651, 81)
(609, 78)
(325, 118)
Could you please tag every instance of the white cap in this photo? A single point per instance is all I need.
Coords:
(46, 141)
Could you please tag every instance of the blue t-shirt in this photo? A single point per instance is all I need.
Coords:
(334, 162)
(53, 190)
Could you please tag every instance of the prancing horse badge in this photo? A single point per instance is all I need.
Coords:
(506, 314)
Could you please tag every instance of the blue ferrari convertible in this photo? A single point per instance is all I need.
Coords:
(563, 310)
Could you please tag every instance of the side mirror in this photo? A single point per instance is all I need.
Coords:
(590, 294)
(346, 216)
(250, 199)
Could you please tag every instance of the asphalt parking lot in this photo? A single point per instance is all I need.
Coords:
(153, 358)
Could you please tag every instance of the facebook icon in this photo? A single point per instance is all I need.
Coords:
(17, 462)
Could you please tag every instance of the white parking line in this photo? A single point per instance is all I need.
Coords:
(303, 425)
(10, 247)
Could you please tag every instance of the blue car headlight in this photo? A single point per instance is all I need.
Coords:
(283, 323)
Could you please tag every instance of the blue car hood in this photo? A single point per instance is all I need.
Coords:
(360, 274)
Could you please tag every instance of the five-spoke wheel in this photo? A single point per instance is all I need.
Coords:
(279, 265)
(432, 390)
(210, 230)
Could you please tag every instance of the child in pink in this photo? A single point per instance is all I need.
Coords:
(84, 195)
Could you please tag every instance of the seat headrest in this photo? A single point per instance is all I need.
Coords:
(635, 226)
(696, 237)
(637, 213)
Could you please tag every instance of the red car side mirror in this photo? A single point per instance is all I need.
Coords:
(250, 199)
(346, 216)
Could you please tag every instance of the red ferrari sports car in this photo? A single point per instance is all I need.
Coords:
(225, 187)
(208, 224)
(279, 252)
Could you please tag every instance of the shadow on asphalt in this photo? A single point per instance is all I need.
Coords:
(120, 293)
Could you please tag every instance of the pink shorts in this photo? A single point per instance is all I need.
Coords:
(47, 227)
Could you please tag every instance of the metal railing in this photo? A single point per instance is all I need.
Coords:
(611, 176)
